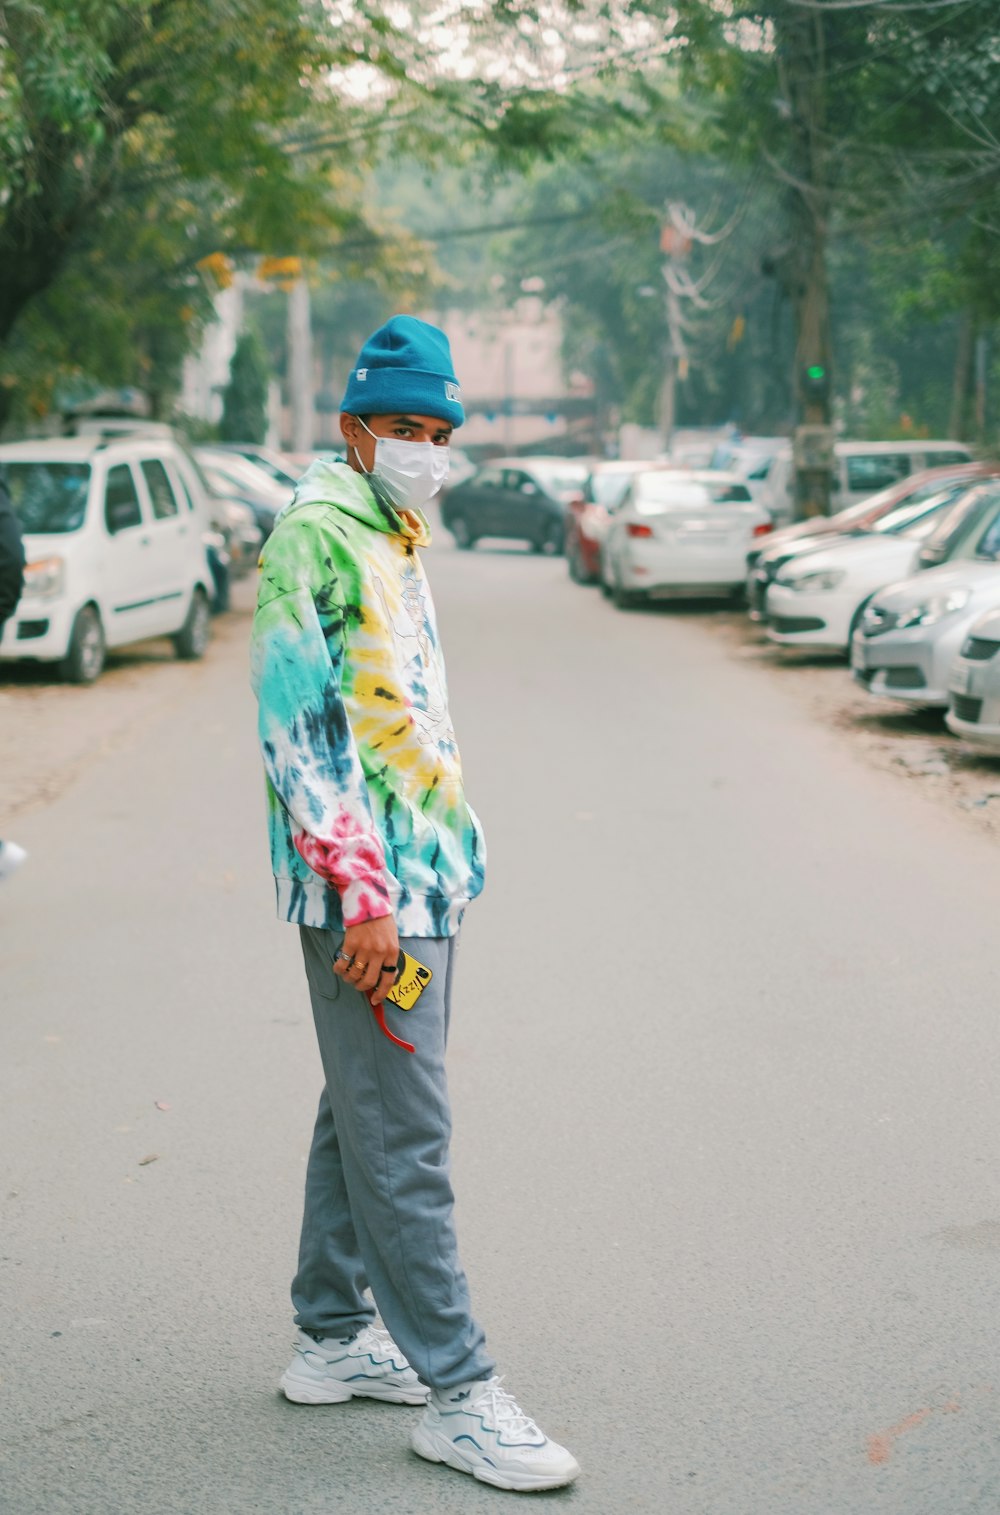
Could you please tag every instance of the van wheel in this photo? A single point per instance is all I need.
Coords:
(192, 639)
(85, 655)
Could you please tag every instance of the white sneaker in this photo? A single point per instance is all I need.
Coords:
(371, 1366)
(478, 1428)
(11, 858)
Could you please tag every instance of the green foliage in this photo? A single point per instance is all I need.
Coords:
(244, 402)
(136, 138)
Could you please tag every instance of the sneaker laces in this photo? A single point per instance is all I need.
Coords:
(383, 1343)
(505, 1411)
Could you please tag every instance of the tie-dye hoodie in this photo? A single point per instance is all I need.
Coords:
(367, 812)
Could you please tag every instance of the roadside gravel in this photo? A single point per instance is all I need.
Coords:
(914, 746)
(50, 732)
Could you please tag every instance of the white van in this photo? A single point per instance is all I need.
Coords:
(114, 545)
(863, 468)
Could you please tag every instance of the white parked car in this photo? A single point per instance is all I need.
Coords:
(114, 545)
(680, 533)
(817, 598)
(763, 562)
(911, 632)
(974, 692)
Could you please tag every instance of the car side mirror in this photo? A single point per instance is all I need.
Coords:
(528, 487)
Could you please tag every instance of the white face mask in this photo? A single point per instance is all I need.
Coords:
(411, 473)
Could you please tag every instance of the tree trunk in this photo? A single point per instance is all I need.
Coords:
(962, 383)
(801, 46)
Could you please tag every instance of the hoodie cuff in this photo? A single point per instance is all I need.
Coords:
(365, 899)
(357, 873)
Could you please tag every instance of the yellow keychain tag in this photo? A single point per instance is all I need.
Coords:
(411, 983)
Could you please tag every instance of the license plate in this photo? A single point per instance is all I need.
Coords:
(701, 534)
(961, 679)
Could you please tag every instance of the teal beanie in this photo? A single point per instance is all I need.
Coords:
(405, 368)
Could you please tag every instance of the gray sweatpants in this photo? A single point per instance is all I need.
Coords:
(379, 1203)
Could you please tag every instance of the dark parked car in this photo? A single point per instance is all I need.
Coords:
(521, 498)
(229, 474)
(281, 468)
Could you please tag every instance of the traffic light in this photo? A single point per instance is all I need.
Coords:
(815, 384)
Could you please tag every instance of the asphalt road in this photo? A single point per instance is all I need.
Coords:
(724, 1069)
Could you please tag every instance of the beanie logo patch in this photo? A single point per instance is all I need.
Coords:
(361, 375)
(452, 392)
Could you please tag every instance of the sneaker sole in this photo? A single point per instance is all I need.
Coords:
(434, 1449)
(303, 1391)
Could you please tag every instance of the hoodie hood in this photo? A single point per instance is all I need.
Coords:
(341, 487)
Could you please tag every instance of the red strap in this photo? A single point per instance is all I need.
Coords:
(379, 1012)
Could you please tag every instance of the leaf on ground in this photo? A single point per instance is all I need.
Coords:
(162, 1104)
(151, 1158)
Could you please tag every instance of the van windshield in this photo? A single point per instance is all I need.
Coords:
(49, 497)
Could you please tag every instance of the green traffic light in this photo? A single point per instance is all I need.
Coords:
(816, 371)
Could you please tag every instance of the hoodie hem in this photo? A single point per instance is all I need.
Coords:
(308, 903)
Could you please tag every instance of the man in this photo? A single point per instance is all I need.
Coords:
(374, 848)
(11, 584)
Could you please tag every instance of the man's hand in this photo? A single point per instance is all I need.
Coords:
(369, 957)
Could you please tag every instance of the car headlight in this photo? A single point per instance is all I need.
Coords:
(811, 583)
(926, 612)
(45, 578)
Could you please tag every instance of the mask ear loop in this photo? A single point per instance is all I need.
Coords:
(366, 471)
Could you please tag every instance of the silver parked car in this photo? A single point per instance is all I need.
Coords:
(911, 631)
(974, 693)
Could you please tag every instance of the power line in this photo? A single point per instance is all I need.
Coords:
(456, 233)
(877, 5)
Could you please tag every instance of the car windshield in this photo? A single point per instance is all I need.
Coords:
(49, 497)
(988, 544)
(979, 532)
(276, 468)
(218, 483)
(873, 503)
(561, 480)
(608, 489)
(889, 500)
(245, 475)
(915, 518)
(950, 527)
(654, 492)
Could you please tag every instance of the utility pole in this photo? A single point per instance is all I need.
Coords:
(300, 365)
(982, 372)
(800, 49)
(675, 246)
(508, 394)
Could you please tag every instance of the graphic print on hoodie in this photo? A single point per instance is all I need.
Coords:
(366, 806)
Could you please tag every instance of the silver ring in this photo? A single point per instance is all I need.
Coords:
(343, 957)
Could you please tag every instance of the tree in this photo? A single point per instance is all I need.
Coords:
(244, 403)
(220, 120)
